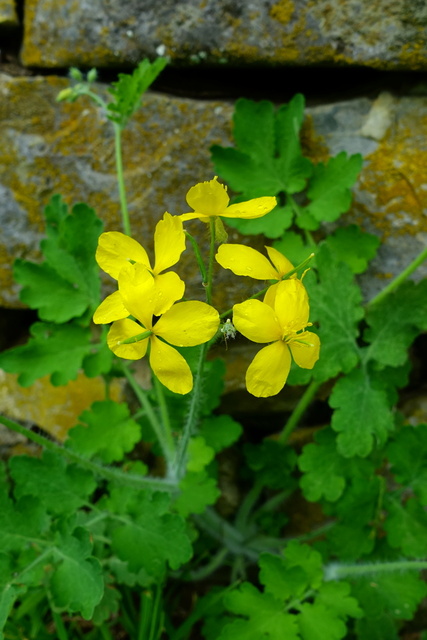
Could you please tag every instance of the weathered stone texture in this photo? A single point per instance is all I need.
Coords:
(48, 148)
(54, 409)
(8, 16)
(380, 33)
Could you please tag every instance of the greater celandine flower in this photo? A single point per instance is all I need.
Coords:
(280, 320)
(210, 200)
(184, 324)
(116, 250)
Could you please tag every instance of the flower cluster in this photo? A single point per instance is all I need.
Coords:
(148, 319)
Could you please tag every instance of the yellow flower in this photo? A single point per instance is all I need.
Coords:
(184, 324)
(282, 321)
(115, 250)
(245, 261)
(210, 200)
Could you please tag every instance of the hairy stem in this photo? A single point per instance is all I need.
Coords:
(157, 427)
(299, 411)
(109, 473)
(337, 571)
(394, 284)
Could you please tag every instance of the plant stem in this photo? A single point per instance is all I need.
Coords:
(109, 473)
(198, 255)
(394, 284)
(337, 571)
(192, 416)
(152, 418)
(214, 563)
(299, 410)
(164, 412)
(247, 506)
(120, 178)
(211, 261)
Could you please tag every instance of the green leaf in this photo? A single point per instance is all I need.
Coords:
(199, 454)
(406, 527)
(324, 468)
(77, 583)
(395, 595)
(266, 618)
(362, 414)
(53, 349)
(128, 90)
(293, 247)
(353, 246)
(335, 305)
(290, 576)
(220, 432)
(197, 491)
(266, 162)
(407, 455)
(316, 622)
(329, 189)
(394, 322)
(107, 432)
(62, 488)
(272, 463)
(272, 225)
(99, 361)
(146, 534)
(67, 284)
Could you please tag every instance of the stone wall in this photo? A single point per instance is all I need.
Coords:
(264, 48)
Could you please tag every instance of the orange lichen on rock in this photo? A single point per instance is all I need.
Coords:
(53, 409)
(396, 176)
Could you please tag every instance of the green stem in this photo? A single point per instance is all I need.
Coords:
(337, 571)
(247, 506)
(137, 338)
(151, 416)
(299, 410)
(392, 286)
(120, 178)
(209, 568)
(164, 412)
(209, 281)
(109, 473)
(192, 415)
(198, 255)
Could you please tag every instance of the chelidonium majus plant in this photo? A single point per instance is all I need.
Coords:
(129, 522)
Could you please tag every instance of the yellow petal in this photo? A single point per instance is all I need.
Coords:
(115, 250)
(269, 370)
(169, 242)
(257, 321)
(110, 309)
(291, 305)
(138, 291)
(122, 330)
(305, 349)
(251, 209)
(208, 198)
(281, 263)
(188, 323)
(169, 289)
(245, 261)
(270, 295)
(170, 367)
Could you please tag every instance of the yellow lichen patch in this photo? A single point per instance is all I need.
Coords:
(396, 176)
(53, 409)
(282, 11)
(313, 144)
(413, 55)
(8, 15)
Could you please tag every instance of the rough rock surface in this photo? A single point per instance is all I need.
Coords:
(380, 33)
(48, 148)
(8, 15)
(54, 409)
